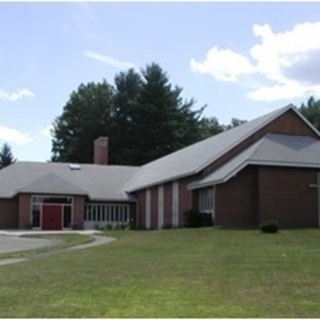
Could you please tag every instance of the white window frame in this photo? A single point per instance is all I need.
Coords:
(35, 201)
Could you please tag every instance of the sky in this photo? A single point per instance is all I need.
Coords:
(241, 60)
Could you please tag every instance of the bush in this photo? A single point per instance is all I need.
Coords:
(195, 219)
(270, 226)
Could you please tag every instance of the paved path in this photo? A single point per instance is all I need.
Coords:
(10, 241)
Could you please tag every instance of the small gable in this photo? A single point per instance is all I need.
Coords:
(51, 183)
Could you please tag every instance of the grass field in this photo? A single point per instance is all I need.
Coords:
(172, 273)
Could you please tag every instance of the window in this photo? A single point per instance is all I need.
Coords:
(67, 216)
(36, 216)
(206, 200)
(106, 212)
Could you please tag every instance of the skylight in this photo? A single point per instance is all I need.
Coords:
(74, 166)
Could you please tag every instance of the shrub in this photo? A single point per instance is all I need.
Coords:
(270, 226)
(195, 219)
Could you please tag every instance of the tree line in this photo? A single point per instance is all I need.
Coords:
(142, 113)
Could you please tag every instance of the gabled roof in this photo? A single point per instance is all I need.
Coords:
(52, 184)
(98, 182)
(271, 150)
(193, 159)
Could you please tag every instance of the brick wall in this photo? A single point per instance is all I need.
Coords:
(154, 208)
(236, 201)
(9, 213)
(167, 217)
(185, 198)
(78, 211)
(24, 215)
(141, 205)
(285, 195)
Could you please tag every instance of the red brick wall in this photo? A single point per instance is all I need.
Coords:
(100, 151)
(285, 195)
(78, 211)
(141, 208)
(24, 211)
(167, 216)
(9, 213)
(154, 208)
(236, 200)
(185, 198)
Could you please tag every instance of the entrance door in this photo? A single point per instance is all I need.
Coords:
(51, 217)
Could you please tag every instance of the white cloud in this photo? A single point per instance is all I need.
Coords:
(17, 95)
(223, 64)
(288, 60)
(11, 135)
(110, 61)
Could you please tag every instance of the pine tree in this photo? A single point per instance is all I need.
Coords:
(6, 157)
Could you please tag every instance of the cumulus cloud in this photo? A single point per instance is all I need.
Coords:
(289, 62)
(223, 64)
(110, 61)
(17, 95)
(11, 135)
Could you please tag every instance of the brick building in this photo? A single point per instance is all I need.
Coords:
(265, 168)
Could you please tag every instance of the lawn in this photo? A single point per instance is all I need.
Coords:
(173, 273)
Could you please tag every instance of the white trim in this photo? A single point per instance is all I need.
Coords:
(148, 209)
(205, 200)
(175, 203)
(160, 206)
(41, 204)
(105, 214)
(234, 172)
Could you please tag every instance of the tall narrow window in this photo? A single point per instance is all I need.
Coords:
(206, 200)
(36, 216)
(67, 216)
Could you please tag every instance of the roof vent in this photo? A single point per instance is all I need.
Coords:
(74, 166)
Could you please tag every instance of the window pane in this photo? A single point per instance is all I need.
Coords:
(67, 216)
(36, 216)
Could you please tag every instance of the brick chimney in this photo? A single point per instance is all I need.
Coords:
(100, 151)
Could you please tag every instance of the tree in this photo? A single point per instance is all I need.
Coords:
(143, 115)
(210, 127)
(6, 157)
(162, 121)
(311, 111)
(234, 123)
(86, 116)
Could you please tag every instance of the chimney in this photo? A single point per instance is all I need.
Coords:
(101, 151)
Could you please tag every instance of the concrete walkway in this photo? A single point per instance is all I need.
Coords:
(10, 241)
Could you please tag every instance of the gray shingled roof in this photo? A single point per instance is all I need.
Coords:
(192, 159)
(96, 181)
(272, 150)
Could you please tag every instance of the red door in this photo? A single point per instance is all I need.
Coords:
(51, 217)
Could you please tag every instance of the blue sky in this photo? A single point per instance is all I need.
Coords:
(240, 59)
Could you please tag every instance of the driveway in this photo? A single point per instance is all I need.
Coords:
(10, 243)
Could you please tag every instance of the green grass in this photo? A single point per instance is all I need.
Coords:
(182, 273)
(63, 241)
